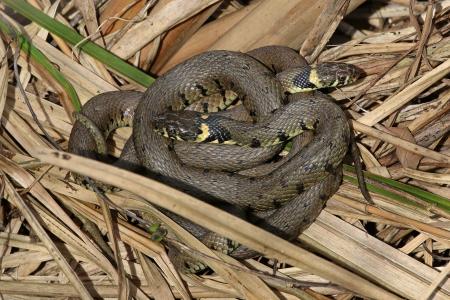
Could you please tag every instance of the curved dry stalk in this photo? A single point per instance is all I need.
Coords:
(213, 219)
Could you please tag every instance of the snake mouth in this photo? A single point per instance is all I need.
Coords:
(335, 74)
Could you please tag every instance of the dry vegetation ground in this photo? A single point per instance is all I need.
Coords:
(398, 247)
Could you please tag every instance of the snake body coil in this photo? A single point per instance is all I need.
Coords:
(288, 195)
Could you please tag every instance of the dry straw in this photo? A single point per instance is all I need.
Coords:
(399, 111)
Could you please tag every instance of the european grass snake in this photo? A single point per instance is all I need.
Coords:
(285, 194)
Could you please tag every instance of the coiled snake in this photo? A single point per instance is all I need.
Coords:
(283, 197)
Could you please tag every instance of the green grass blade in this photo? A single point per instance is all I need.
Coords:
(426, 196)
(24, 44)
(383, 192)
(72, 37)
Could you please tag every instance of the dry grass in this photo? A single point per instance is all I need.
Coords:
(398, 247)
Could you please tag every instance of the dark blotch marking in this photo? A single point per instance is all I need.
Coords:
(252, 113)
(246, 67)
(205, 106)
(323, 197)
(169, 108)
(170, 147)
(217, 82)
(203, 91)
(205, 171)
(316, 124)
(251, 179)
(231, 174)
(300, 187)
(273, 111)
(220, 87)
(184, 99)
(276, 204)
(56, 154)
(255, 143)
(329, 168)
(282, 136)
(66, 156)
(303, 126)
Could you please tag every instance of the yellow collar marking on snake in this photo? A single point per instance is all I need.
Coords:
(205, 135)
(314, 79)
(229, 142)
(205, 132)
(165, 133)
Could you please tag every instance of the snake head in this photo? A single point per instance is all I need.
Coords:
(179, 125)
(335, 74)
(324, 75)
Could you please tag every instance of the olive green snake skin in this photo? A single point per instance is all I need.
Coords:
(283, 197)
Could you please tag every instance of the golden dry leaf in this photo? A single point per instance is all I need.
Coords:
(406, 158)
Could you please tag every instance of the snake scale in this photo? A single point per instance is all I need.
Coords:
(283, 197)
